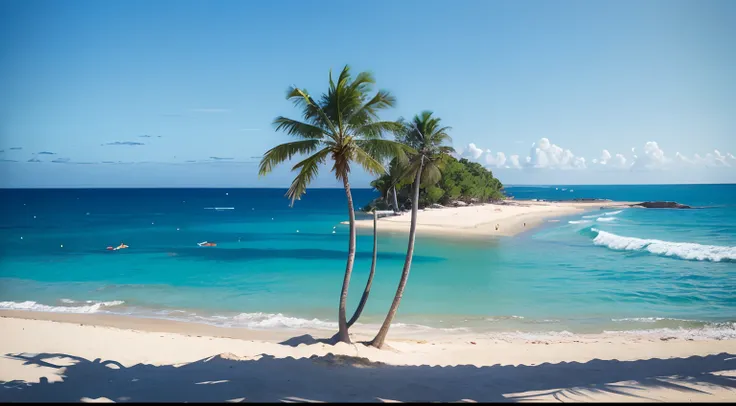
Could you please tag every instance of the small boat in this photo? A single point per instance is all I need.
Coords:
(206, 244)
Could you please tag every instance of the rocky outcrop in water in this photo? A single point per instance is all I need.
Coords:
(661, 205)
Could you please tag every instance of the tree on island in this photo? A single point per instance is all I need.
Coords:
(344, 127)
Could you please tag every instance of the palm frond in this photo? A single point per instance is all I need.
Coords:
(430, 174)
(374, 130)
(311, 109)
(368, 162)
(409, 171)
(384, 150)
(445, 149)
(283, 152)
(308, 169)
(369, 111)
(298, 128)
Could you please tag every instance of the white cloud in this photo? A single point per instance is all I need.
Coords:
(619, 161)
(514, 161)
(653, 158)
(498, 160)
(544, 154)
(715, 159)
(720, 158)
(683, 159)
(471, 152)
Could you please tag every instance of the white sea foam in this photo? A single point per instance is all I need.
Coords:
(578, 221)
(717, 331)
(219, 208)
(420, 327)
(648, 319)
(267, 320)
(683, 250)
(503, 318)
(610, 213)
(90, 307)
(605, 219)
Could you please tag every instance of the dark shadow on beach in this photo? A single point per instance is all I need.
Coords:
(345, 378)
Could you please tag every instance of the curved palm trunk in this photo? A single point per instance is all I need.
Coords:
(396, 201)
(342, 333)
(368, 284)
(383, 332)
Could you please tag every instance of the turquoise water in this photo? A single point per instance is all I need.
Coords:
(606, 270)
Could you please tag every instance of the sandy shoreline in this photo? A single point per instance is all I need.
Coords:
(158, 360)
(481, 220)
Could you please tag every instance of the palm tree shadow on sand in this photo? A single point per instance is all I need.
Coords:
(226, 377)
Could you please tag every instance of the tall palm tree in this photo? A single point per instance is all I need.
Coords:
(425, 137)
(342, 126)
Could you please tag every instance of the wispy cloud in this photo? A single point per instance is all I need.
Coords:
(34, 160)
(61, 160)
(124, 143)
(8, 160)
(256, 157)
(144, 136)
(15, 148)
(208, 110)
(46, 153)
(217, 158)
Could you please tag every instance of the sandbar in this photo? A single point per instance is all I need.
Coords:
(484, 220)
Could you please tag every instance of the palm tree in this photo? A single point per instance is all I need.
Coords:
(382, 185)
(342, 126)
(425, 137)
(395, 170)
(386, 183)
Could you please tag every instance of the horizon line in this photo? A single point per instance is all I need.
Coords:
(355, 188)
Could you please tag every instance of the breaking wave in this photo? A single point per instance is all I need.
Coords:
(89, 306)
(715, 331)
(682, 250)
(610, 213)
(605, 219)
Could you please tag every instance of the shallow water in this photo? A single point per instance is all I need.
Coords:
(606, 270)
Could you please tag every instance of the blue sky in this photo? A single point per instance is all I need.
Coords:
(152, 93)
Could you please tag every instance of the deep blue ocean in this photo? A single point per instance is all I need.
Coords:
(633, 270)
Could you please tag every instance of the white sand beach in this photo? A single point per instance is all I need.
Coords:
(481, 220)
(105, 358)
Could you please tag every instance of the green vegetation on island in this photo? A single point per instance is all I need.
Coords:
(462, 181)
